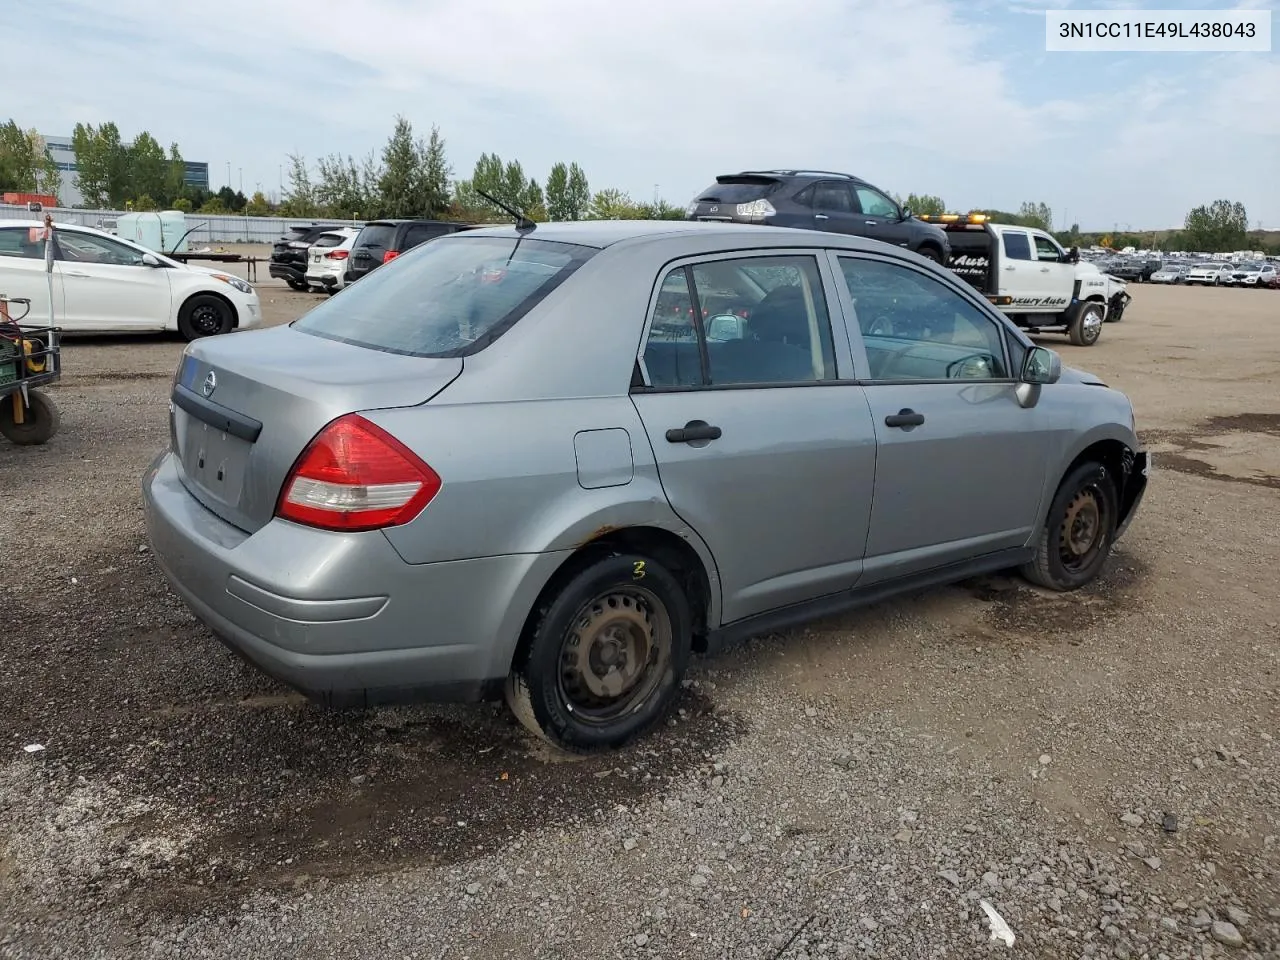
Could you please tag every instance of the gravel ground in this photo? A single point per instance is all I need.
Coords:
(1101, 769)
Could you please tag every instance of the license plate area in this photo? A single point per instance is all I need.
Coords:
(212, 459)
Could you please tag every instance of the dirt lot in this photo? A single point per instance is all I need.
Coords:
(1102, 767)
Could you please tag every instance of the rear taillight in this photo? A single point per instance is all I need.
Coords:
(390, 255)
(756, 209)
(336, 255)
(356, 476)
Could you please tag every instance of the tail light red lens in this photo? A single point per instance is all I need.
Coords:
(356, 476)
(390, 255)
(336, 255)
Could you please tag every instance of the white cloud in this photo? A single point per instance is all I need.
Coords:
(928, 95)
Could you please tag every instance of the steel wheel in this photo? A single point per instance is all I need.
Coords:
(1080, 536)
(615, 654)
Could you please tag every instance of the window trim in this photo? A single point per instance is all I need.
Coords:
(1002, 324)
(830, 293)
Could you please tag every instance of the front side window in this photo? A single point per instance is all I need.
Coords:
(86, 248)
(1046, 249)
(914, 327)
(743, 321)
(1016, 245)
(876, 204)
(447, 299)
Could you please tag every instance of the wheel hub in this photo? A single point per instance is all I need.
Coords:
(1081, 524)
(610, 647)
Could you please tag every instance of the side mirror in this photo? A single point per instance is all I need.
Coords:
(151, 260)
(906, 213)
(1041, 366)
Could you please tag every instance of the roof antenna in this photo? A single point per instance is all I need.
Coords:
(522, 222)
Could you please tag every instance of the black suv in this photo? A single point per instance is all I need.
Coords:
(384, 240)
(289, 254)
(818, 200)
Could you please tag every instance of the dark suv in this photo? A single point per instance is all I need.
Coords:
(384, 240)
(818, 200)
(289, 254)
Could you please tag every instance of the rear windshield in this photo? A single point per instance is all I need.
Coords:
(448, 298)
(378, 235)
(297, 233)
(741, 190)
(329, 240)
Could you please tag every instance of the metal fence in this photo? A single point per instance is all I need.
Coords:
(208, 229)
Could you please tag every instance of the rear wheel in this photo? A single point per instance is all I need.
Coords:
(1078, 531)
(205, 315)
(931, 253)
(1086, 326)
(299, 285)
(605, 655)
(40, 419)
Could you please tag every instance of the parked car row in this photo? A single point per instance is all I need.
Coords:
(1193, 272)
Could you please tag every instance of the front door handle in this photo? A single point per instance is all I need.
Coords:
(74, 273)
(906, 417)
(1044, 269)
(1011, 267)
(693, 430)
(821, 216)
(870, 223)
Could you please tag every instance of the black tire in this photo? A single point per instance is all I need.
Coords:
(1078, 532)
(205, 315)
(299, 285)
(620, 599)
(40, 420)
(1080, 331)
(931, 253)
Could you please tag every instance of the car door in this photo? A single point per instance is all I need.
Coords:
(763, 441)
(833, 207)
(1018, 275)
(960, 465)
(1054, 276)
(881, 217)
(23, 276)
(108, 287)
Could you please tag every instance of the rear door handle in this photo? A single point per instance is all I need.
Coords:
(870, 223)
(693, 430)
(821, 216)
(75, 273)
(1044, 269)
(906, 417)
(1011, 267)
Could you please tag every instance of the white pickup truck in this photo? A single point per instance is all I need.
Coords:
(1032, 279)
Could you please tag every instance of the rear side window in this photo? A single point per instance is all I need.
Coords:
(421, 233)
(17, 242)
(1017, 246)
(379, 235)
(447, 299)
(833, 196)
(750, 321)
(739, 190)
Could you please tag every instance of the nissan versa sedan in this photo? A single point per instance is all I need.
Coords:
(552, 462)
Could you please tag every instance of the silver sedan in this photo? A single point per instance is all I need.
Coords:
(554, 461)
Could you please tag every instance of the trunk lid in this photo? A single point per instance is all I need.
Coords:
(237, 435)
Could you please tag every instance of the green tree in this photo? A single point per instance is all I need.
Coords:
(613, 204)
(533, 203)
(434, 173)
(176, 179)
(148, 168)
(1036, 215)
(578, 194)
(300, 196)
(660, 210)
(25, 163)
(1220, 227)
(558, 193)
(924, 204)
(116, 161)
(93, 165)
(183, 204)
(341, 189)
(214, 206)
(397, 186)
(257, 206)
(142, 204)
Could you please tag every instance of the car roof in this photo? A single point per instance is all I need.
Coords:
(397, 221)
(607, 233)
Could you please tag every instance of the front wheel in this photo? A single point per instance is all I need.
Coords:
(1086, 326)
(205, 315)
(40, 419)
(1078, 531)
(930, 253)
(605, 655)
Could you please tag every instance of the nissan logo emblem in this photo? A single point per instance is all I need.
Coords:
(210, 384)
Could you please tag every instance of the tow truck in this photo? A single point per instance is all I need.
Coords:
(1027, 275)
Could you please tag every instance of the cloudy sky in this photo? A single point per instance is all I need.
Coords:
(951, 97)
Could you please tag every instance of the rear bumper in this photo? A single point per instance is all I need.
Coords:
(286, 271)
(341, 617)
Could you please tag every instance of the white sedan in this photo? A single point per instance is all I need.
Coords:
(106, 284)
